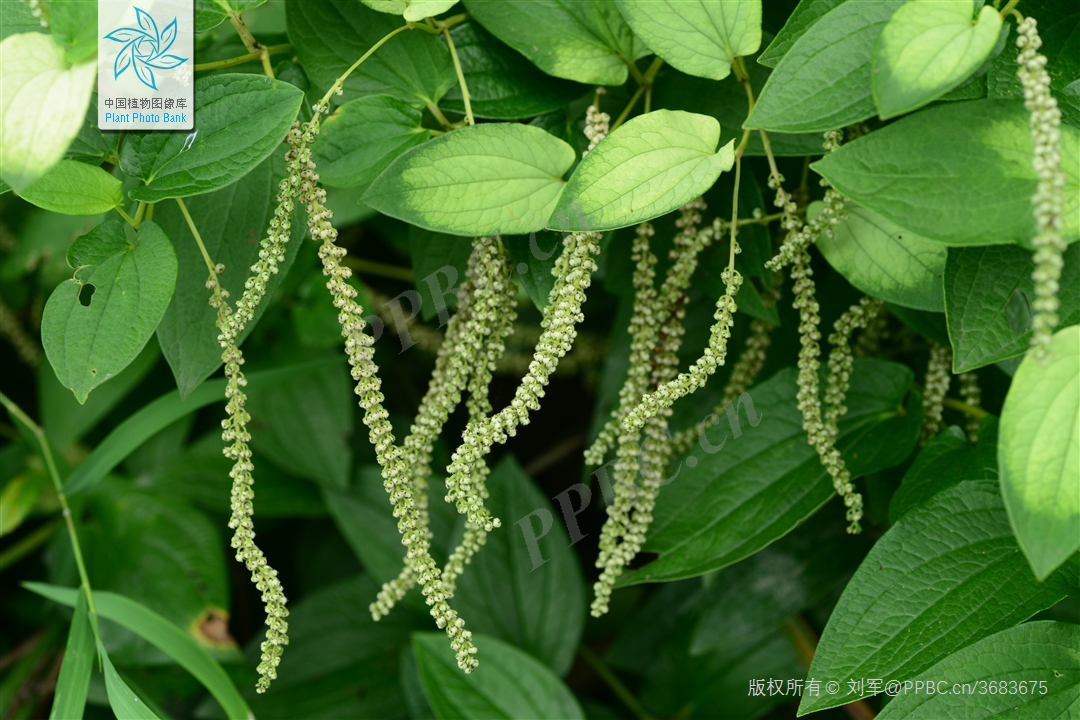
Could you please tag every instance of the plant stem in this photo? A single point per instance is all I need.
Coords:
(341, 80)
(130, 220)
(241, 59)
(251, 43)
(613, 682)
(970, 410)
(629, 106)
(644, 85)
(139, 213)
(46, 453)
(744, 78)
(370, 267)
(734, 216)
(435, 111)
(460, 76)
(198, 237)
(1009, 8)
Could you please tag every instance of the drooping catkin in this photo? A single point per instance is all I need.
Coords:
(1048, 203)
(360, 351)
(938, 377)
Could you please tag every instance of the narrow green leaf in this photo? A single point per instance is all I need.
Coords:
(1039, 453)
(650, 166)
(1029, 671)
(95, 324)
(35, 76)
(75, 188)
(498, 178)
(537, 608)
(752, 480)
(501, 85)
(330, 36)
(411, 10)
(69, 699)
(122, 699)
(232, 222)
(824, 81)
(583, 40)
(948, 574)
(805, 14)
(959, 173)
(164, 635)
(154, 417)
(18, 497)
(927, 48)
(700, 38)
(946, 460)
(239, 120)
(360, 138)
(511, 685)
(988, 302)
(885, 260)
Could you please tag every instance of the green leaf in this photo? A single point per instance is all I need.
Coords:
(989, 296)
(491, 179)
(534, 259)
(958, 173)
(885, 260)
(582, 40)
(948, 574)
(74, 25)
(824, 81)
(946, 460)
(314, 443)
(75, 188)
(801, 19)
(18, 497)
(15, 18)
(232, 222)
(69, 699)
(164, 635)
(411, 10)
(439, 262)
(505, 594)
(927, 48)
(749, 601)
(129, 287)
(1034, 668)
(331, 36)
(650, 166)
(35, 77)
(91, 145)
(123, 701)
(511, 684)
(1039, 453)
(700, 38)
(239, 120)
(750, 484)
(360, 138)
(210, 13)
(501, 85)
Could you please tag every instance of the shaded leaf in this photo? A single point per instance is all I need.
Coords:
(801, 19)
(75, 188)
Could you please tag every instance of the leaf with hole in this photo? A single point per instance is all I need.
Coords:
(927, 48)
(945, 576)
(95, 324)
(989, 295)
(959, 173)
(490, 179)
(1039, 453)
(648, 167)
(42, 105)
(239, 120)
(698, 37)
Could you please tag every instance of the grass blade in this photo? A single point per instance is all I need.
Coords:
(69, 699)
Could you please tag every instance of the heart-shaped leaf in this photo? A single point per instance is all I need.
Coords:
(650, 166)
(498, 178)
(97, 322)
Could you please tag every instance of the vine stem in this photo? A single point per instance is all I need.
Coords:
(968, 409)
(645, 83)
(341, 80)
(460, 76)
(613, 682)
(241, 59)
(251, 43)
(739, 68)
(734, 216)
(46, 453)
(198, 237)
(130, 220)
